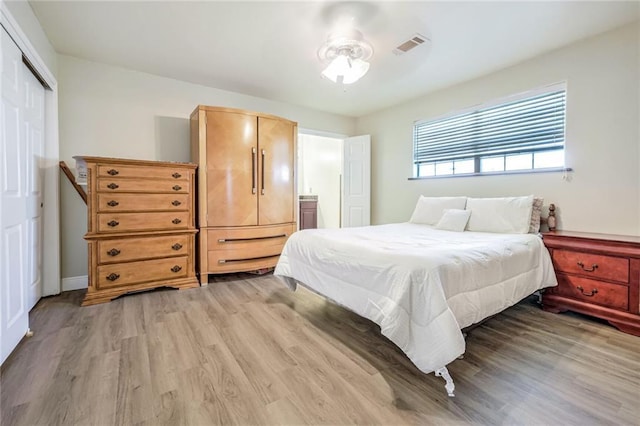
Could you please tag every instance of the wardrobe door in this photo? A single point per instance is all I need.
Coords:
(232, 193)
(276, 156)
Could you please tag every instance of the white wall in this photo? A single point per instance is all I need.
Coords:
(320, 168)
(114, 112)
(29, 24)
(602, 138)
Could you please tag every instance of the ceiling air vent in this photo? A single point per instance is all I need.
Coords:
(415, 41)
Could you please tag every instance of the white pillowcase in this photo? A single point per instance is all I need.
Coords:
(509, 215)
(429, 210)
(454, 220)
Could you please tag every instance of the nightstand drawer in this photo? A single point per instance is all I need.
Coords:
(592, 291)
(592, 265)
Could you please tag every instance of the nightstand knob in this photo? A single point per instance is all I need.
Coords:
(176, 203)
(112, 203)
(176, 221)
(112, 172)
(176, 175)
(593, 292)
(176, 268)
(177, 187)
(176, 246)
(593, 267)
(113, 223)
(113, 185)
(113, 277)
(113, 252)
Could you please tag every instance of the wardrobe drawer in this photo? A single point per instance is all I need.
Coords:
(114, 185)
(122, 274)
(248, 238)
(241, 260)
(592, 291)
(142, 202)
(154, 221)
(175, 174)
(592, 265)
(128, 249)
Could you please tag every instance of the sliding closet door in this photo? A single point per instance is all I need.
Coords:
(14, 313)
(21, 194)
(33, 143)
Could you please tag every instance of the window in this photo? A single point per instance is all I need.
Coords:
(515, 135)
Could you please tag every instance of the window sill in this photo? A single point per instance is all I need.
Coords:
(510, 172)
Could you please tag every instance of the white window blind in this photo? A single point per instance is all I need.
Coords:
(511, 134)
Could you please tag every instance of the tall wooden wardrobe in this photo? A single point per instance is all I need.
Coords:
(246, 188)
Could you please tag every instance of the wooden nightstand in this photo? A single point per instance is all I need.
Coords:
(598, 274)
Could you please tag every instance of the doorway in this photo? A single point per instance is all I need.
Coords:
(336, 172)
(320, 174)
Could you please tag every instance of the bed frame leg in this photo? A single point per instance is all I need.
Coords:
(449, 386)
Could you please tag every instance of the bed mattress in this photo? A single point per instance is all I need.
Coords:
(419, 284)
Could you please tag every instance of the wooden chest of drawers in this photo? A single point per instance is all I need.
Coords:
(141, 226)
(597, 275)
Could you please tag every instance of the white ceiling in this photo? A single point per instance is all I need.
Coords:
(269, 49)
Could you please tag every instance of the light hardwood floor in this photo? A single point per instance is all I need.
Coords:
(246, 350)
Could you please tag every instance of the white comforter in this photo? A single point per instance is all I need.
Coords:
(419, 284)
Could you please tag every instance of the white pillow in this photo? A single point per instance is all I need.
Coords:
(509, 215)
(454, 220)
(429, 210)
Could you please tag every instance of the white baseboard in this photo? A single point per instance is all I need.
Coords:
(75, 283)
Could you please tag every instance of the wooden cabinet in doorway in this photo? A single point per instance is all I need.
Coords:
(246, 188)
(308, 211)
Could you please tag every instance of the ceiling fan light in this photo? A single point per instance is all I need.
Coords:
(347, 56)
(345, 70)
(336, 68)
(358, 69)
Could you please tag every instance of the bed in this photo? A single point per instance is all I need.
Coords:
(420, 282)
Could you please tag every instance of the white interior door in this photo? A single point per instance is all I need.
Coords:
(33, 141)
(14, 313)
(356, 187)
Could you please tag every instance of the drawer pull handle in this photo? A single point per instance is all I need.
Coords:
(176, 175)
(176, 246)
(176, 203)
(113, 277)
(113, 203)
(112, 172)
(176, 221)
(593, 267)
(113, 223)
(113, 252)
(229, 240)
(593, 292)
(177, 187)
(176, 268)
(113, 185)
